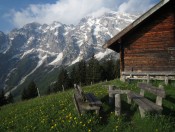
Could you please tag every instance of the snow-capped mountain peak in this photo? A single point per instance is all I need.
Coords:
(34, 46)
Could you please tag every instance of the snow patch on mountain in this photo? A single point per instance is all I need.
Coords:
(76, 60)
(57, 60)
(101, 55)
(42, 59)
(58, 44)
(26, 53)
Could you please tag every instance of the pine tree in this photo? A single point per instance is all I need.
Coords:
(81, 72)
(49, 90)
(24, 95)
(30, 92)
(10, 98)
(3, 100)
(74, 76)
(94, 71)
(63, 80)
(111, 69)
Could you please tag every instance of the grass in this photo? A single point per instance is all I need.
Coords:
(57, 112)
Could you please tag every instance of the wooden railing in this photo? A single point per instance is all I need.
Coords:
(166, 76)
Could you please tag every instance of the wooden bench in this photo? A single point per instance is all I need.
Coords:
(85, 102)
(145, 105)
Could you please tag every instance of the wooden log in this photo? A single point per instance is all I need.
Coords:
(117, 105)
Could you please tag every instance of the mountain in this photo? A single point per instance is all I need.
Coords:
(35, 51)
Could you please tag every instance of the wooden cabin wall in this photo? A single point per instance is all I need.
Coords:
(152, 46)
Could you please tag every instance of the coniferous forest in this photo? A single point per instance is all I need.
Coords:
(82, 73)
(85, 73)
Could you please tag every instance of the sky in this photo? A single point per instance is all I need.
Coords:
(17, 13)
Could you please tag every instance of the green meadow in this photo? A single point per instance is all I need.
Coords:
(57, 112)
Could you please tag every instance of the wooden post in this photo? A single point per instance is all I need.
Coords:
(144, 81)
(111, 96)
(148, 78)
(117, 105)
(38, 92)
(142, 92)
(166, 80)
(124, 78)
(128, 99)
(63, 87)
(97, 111)
(158, 98)
(130, 76)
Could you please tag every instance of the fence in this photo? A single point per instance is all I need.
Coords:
(166, 76)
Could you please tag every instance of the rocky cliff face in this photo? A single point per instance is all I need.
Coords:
(36, 49)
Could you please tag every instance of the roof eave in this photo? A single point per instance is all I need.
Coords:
(135, 23)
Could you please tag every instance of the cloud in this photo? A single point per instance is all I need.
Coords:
(135, 6)
(65, 11)
(71, 11)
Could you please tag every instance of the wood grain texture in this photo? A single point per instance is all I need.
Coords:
(151, 46)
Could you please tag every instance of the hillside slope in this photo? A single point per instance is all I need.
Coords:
(57, 113)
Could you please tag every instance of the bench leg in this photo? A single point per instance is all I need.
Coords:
(117, 105)
(128, 100)
(142, 112)
(111, 95)
(97, 112)
(82, 112)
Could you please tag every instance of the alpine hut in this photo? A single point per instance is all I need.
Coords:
(147, 46)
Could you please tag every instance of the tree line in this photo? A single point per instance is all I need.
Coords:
(5, 100)
(82, 73)
(28, 93)
(86, 73)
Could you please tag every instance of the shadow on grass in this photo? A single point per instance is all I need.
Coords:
(170, 98)
(168, 110)
(106, 110)
(126, 109)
